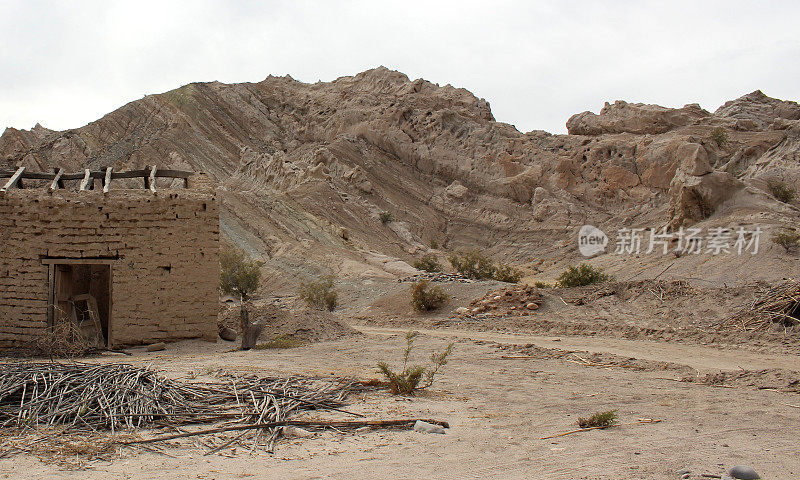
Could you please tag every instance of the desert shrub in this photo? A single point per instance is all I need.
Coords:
(540, 284)
(781, 191)
(599, 420)
(278, 342)
(787, 239)
(428, 263)
(719, 135)
(434, 244)
(386, 217)
(239, 275)
(472, 264)
(581, 275)
(507, 273)
(319, 293)
(414, 377)
(425, 297)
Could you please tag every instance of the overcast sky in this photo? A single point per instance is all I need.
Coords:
(66, 63)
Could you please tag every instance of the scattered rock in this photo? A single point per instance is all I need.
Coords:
(291, 431)
(462, 311)
(228, 334)
(456, 190)
(743, 472)
(426, 427)
(436, 277)
(156, 347)
(510, 300)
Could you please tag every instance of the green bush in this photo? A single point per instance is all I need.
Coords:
(599, 420)
(781, 191)
(386, 217)
(507, 273)
(428, 263)
(414, 377)
(720, 136)
(319, 293)
(239, 276)
(581, 275)
(434, 244)
(540, 284)
(472, 264)
(425, 297)
(787, 239)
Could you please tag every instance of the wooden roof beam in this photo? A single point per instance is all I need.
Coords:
(107, 180)
(153, 179)
(57, 182)
(13, 180)
(87, 176)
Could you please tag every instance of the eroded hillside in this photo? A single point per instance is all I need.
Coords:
(304, 170)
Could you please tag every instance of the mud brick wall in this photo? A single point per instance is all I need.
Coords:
(165, 268)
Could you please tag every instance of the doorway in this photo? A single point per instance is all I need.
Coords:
(80, 293)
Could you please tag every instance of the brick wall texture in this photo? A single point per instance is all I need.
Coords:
(165, 267)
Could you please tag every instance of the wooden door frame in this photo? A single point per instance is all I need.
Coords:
(52, 262)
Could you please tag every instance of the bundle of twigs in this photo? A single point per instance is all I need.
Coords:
(111, 397)
(778, 304)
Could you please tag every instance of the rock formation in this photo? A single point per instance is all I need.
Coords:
(305, 169)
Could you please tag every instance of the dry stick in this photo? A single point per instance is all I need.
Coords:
(308, 402)
(641, 422)
(296, 423)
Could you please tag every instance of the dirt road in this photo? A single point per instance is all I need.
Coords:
(498, 409)
(704, 359)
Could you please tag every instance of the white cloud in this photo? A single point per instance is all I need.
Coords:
(67, 63)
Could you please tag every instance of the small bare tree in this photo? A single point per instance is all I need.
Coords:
(240, 276)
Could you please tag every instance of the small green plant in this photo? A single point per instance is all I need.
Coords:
(428, 263)
(386, 217)
(472, 264)
(540, 284)
(507, 273)
(279, 342)
(582, 275)
(720, 136)
(599, 420)
(434, 244)
(425, 297)
(414, 377)
(319, 293)
(781, 191)
(239, 276)
(787, 239)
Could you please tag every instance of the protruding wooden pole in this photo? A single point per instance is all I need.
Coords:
(86, 177)
(57, 181)
(107, 182)
(153, 179)
(13, 180)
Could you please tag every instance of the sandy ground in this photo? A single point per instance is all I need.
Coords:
(499, 409)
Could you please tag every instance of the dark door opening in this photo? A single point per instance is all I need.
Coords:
(81, 294)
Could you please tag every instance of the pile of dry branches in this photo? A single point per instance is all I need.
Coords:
(93, 398)
(47, 408)
(777, 304)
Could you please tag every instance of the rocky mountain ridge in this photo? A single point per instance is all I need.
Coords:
(305, 169)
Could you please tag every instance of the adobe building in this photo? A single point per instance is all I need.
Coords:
(128, 265)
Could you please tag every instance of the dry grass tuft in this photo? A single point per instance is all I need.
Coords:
(599, 420)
